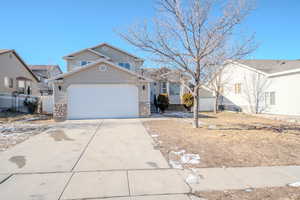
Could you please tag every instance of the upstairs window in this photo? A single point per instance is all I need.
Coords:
(125, 65)
(84, 62)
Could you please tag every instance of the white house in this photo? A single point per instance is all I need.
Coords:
(262, 86)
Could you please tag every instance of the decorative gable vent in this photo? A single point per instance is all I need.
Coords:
(102, 68)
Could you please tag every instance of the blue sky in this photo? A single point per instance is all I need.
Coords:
(43, 32)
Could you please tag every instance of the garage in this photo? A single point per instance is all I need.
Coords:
(206, 104)
(91, 101)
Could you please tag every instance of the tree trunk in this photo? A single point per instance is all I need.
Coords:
(196, 109)
(216, 104)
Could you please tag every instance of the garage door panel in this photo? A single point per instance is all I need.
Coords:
(102, 101)
(206, 104)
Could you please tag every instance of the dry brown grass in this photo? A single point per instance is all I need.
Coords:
(282, 193)
(258, 145)
(11, 117)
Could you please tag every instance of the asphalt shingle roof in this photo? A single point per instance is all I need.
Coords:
(272, 66)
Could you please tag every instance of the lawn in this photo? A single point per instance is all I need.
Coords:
(230, 140)
(282, 193)
(18, 127)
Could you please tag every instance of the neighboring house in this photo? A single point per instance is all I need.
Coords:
(168, 82)
(44, 73)
(173, 83)
(15, 75)
(101, 82)
(18, 83)
(263, 86)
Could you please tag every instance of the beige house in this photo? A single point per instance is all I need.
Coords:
(101, 82)
(44, 73)
(167, 81)
(15, 76)
(173, 82)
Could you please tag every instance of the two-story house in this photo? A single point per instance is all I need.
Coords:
(16, 79)
(101, 82)
(15, 75)
(44, 73)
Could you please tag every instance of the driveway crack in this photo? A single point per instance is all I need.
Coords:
(86, 146)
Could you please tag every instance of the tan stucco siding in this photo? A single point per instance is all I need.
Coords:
(11, 67)
(83, 56)
(94, 75)
(118, 57)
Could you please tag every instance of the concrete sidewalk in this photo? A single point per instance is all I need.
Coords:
(242, 177)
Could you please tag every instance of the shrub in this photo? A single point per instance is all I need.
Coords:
(31, 104)
(162, 102)
(188, 100)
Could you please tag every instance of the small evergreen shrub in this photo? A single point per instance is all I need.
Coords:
(163, 102)
(31, 104)
(188, 101)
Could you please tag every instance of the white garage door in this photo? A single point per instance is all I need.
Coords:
(206, 104)
(102, 101)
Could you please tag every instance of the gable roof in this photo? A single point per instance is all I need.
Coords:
(44, 67)
(98, 62)
(272, 66)
(5, 51)
(2, 51)
(91, 49)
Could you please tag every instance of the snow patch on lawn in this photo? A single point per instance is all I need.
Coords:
(178, 158)
(296, 184)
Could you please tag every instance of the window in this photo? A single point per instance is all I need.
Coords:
(84, 62)
(270, 98)
(125, 65)
(8, 82)
(21, 84)
(237, 88)
(102, 68)
(174, 89)
(163, 87)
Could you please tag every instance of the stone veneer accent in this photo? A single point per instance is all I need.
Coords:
(144, 109)
(60, 112)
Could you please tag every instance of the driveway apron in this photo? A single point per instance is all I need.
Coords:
(56, 150)
(121, 144)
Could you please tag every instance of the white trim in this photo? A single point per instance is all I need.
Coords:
(284, 72)
(98, 53)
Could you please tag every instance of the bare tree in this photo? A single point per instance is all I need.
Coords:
(217, 86)
(255, 87)
(196, 36)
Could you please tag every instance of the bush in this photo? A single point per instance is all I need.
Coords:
(162, 102)
(188, 101)
(31, 104)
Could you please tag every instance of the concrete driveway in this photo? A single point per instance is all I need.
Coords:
(90, 159)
